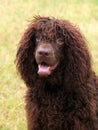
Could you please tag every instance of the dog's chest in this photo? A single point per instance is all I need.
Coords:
(55, 110)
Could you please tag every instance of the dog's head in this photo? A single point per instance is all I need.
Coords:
(50, 45)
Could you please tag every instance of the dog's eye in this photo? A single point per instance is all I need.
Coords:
(59, 42)
(37, 40)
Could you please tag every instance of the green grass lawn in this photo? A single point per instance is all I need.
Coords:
(14, 18)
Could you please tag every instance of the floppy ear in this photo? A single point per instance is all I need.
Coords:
(77, 56)
(25, 60)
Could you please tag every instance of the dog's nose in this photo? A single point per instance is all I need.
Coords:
(44, 52)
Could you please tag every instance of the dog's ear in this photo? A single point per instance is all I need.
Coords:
(25, 59)
(77, 56)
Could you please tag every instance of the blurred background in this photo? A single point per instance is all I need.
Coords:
(15, 15)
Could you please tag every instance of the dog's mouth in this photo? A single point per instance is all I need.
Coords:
(45, 70)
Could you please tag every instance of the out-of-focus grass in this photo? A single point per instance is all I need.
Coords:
(14, 17)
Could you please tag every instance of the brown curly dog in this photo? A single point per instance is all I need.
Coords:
(62, 89)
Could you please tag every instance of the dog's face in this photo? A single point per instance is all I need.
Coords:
(48, 56)
(53, 48)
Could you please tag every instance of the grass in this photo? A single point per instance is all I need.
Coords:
(13, 21)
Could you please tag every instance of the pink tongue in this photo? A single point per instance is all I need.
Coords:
(42, 69)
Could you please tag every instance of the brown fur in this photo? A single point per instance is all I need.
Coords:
(67, 99)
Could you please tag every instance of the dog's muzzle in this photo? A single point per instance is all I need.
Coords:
(46, 59)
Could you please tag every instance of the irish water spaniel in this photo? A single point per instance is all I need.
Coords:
(62, 90)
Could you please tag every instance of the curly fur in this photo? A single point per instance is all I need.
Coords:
(68, 98)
